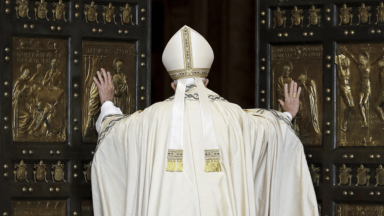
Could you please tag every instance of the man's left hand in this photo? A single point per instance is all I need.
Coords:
(291, 103)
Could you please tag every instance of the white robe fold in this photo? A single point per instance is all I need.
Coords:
(264, 170)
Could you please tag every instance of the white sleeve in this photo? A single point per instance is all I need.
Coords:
(106, 109)
(288, 115)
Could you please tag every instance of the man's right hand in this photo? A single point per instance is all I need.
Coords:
(104, 85)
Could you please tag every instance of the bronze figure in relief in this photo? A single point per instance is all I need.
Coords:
(87, 172)
(279, 19)
(308, 118)
(41, 10)
(379, 176)
(21, 172)
(364, 64)
(284, 79)
(314, 16)
(343, 74)
(344, 175)
(380, 13)
(58, 173)
(364, 15)
(362, 176)
(345, 15)
(109, 13)
(297, 17)
(314, 174)
(59, 11)
(126, 16)
(380, 100)
(91, 12)
(40, 174)
(22, 9)
(120, 83)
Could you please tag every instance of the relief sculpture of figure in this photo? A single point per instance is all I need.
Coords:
(41, 10)
(345, 15)
(91, 12)
(109, 13)
(297, 17)
(314, 16)
(53, 76)
(308, 126)
(126, 16)
(364, 15)
(380, 13)
(380, 100)
(22, 9)
(279, 19)
(22, 103)
(59, 11)
(343, 73)
(284, 79)
(121, 99)
(365, 84)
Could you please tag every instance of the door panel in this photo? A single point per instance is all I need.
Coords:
(350, 155)
(50, 50)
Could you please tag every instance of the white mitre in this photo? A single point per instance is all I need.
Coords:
(188, 58)
(187, 55)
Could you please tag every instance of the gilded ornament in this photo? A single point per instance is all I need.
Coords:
(94, 30)
(7, 2)
(91, 12)
(40, 174)
(22, 9)
(7, 11)
(305, 34)
(372, 31)
(279, 35)
(58, 173)
(328, 18)
(352, 32)
(109, 14)
(262, 13)
(314, 16)
(77, 15)
(142, 10)
(6, 49)
(59, 11)
(362, 176)
(143, 19)
(311, 34)
(364, 15)
(100, 30)
(314, 174)
(344, 175)
(380, 13)
(126, 16)
(378, 31)
(53, 28)
(120, 31)
(297, 17)
(87, 172)
(126, 31)
(41, 10)
(59, 28)
(279, 19)
(21, 172)
(32, 26)
(379, 176)
(142, 98)
(26, 26)
(77, 6)
(345, 15)
(142, 55)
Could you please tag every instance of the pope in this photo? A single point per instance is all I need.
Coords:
(196, 153)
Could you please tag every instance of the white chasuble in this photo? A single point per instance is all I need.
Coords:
(263, 167)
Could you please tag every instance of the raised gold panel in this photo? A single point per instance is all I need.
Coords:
(117, 58)
(42, 207)
(39, 90)
(304, 65)
(359, 209)
(360, 94)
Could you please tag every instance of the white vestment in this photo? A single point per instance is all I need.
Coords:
(264, 170)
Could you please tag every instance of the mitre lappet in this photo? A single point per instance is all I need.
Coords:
(188, 58)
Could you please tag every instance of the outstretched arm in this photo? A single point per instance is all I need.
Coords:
(292, 99)
(106, 90)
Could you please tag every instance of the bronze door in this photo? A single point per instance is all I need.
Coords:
(334, 51)
(50, 52)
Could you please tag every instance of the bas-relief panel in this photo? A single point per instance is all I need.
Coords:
(304, 65)
(43, 207)
(117, 58)
(359, 210)
(360, 115)
(39, 74)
